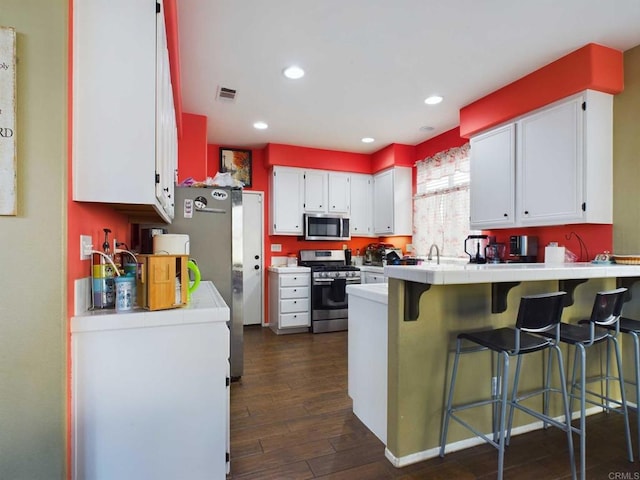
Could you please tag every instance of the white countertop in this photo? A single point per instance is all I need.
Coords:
(446, 274)
(285, 269)
(376, 292)
(206, 305)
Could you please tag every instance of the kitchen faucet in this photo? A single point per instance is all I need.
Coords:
(430, 256)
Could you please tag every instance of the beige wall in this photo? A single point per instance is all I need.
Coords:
(626, 154)
(33, 251)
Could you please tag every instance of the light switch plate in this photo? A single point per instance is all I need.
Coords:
(276, 247)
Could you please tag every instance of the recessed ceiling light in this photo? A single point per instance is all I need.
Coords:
(293, 72)
(260, 125)
(433, 100)
(368, 140)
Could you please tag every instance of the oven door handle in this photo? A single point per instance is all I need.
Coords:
(328, 281)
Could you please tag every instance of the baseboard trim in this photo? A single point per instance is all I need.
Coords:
(412, 458)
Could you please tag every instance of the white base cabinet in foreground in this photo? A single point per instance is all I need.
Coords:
(367, 353)
(150, 395)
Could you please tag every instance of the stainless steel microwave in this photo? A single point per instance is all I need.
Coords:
(322, 226)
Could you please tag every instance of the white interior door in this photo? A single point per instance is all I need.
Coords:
(253, 254)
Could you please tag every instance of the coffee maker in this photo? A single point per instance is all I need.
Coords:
(523, 249)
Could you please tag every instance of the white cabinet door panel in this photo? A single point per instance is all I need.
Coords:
(550, 165)
(339, 193)
(492, 191)
(315, 191)
(361, 217)
(287, 196)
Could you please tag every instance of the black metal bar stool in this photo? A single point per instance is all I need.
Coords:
(536, 314)
(602, 326)
(630, 327)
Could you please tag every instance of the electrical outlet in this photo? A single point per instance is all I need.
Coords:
(86, 245)
(276, 247)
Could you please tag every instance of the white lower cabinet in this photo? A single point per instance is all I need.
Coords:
(289, 299)
(150, 392)
(372, 277)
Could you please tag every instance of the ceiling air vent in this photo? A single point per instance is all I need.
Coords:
(226, 94)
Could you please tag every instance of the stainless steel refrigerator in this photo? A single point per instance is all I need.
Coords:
(212, 217)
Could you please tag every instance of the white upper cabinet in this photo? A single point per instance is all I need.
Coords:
(326, 192)
(563, 166)
(124, 135)
(339, 193)
(315, 191)
(287, 198)
(392, 202)
(361, 217)
(492, 199)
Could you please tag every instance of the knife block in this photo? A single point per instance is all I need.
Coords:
(157, 280)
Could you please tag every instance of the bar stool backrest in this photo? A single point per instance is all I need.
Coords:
(540, 313)
(607, 307)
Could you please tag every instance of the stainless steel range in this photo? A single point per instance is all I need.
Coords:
(329, 278)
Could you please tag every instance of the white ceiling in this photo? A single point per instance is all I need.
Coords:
(371, 63)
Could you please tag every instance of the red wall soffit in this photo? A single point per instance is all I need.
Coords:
(442, 142)
(293, 156)
(591, 67)
(171, 22)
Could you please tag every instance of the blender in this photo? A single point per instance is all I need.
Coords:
(475, 246)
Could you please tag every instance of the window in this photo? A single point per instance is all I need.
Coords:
(441, 203)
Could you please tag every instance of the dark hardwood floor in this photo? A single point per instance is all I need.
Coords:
(291, 418)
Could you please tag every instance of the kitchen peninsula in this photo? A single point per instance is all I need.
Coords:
(428, 305)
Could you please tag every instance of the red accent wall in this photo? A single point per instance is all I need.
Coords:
(294, 156)
(597, 238)
(590, 67)
(192, 148)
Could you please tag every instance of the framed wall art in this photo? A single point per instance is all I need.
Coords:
(238, 163)
(8, 201)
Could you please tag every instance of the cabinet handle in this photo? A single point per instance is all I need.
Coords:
(526, 212)
(295, 289)
(295, 301)
(257, 267)
(256, 257)
(506, 215)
